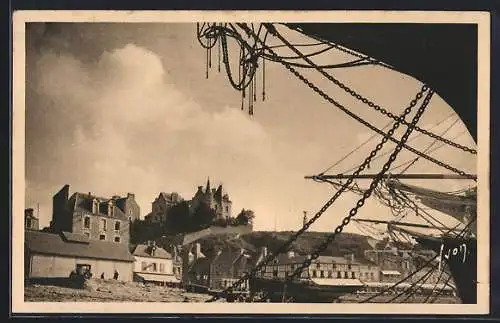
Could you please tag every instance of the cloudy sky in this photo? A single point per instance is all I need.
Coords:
(117, 108)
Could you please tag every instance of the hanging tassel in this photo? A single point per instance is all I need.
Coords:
(250, 98)
(210, 57)
(242, 100)
(263, 79)
(218, 52)
(206, 65)
(254, 86)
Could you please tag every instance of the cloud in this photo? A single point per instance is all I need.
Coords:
(133, 130)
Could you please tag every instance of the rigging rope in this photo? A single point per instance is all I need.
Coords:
(354, 150)
(368, 102)
(367, 124)
(429, 147)
(244, 81)
(414, 138)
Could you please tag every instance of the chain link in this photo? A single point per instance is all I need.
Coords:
(373, 184)
(337, 194)
(386, 137)
(351, 114)
(371, 104)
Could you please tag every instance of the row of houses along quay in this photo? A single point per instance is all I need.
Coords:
(92, 238)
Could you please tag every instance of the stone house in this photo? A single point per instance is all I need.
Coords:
(160, 207)
(53, 256)
(98, 218)
(217, 272)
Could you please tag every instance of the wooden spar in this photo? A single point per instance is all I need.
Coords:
(395, 176)
(417, 225)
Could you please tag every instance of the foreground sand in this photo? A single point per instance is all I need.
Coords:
(110, 291)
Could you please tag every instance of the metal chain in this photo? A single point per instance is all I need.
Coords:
(332, 101)
(387, 136)
(371, 104)
(367, 124)
(337, 194)
(372, 187)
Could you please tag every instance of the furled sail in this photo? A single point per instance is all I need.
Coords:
(461, 207)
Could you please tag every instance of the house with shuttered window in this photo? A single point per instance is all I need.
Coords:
(155, 265)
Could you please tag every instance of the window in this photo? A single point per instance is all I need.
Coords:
(371, 275)
(275, 273)
(353, 275)
(28, 222)
(346, 275)
(349, 267)
(339, 275)
(315, 274)
(102, 237)
(153, 267)
(95, 206)
(117, 226)
(117, 239)
(330, 274)
(174, 270)
(103, 225)
(227, 208)
(162, 268)
(317, 265)
(322, 274)
(86, 222)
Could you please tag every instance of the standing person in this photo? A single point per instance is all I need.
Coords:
(115, 276)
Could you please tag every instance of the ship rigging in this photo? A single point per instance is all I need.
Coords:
(385, 47)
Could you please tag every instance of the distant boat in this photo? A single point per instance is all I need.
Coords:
(304, 290)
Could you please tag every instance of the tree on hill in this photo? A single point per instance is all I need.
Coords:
(245, 217)
(178, 218)
(203, 217)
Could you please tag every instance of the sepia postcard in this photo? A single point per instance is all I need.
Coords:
(284, 162)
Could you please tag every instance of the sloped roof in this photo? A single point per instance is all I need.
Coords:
(84, 202)
(53, 244)
(142, 251)
(73, 237)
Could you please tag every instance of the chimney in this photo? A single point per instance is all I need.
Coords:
(115, 197)
(131, 196)
(174, 253)
(197, 252)
(28, 212)
(264, 251)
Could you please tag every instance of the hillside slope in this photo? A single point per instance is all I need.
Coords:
(345, 243)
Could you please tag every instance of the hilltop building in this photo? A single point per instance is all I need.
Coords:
(97, 218)
(160, 207)
(217, 199)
